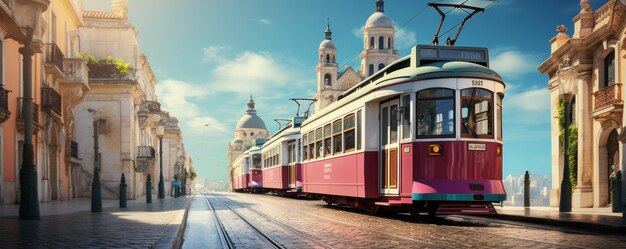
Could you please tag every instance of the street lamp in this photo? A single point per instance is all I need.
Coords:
(567, 76)
(160, 131)
(96, 196)
(28, 21)
(181, 161)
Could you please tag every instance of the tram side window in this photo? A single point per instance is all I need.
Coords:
(290, 152)
(312, 145)
(327, 142)
(406, 117)
(318, 143)
(359, 128)
(499, 115)
(348, 132)
(435, 112)
(476, 113)
(304, 148)
(337, 136)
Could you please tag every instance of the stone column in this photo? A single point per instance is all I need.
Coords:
(583, 194)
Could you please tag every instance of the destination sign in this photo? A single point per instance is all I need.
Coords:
(433, 53)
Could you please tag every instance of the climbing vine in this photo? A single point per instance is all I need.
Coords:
(573, 143)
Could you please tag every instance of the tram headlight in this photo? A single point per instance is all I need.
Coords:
(498, 150)
(435, 149)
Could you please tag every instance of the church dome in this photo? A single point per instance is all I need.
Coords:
(250, 120)
(328, 44)
(379, 20)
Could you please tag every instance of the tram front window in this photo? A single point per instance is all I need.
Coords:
(435, 112)
(256, 160)
(477, 113)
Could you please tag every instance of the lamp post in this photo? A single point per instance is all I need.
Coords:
(567, 87)
(28, 21)
(160, 131)
(96, 196)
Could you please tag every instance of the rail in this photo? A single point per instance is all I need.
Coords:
(54, 55)
(151, 106)
(50, 100)
(608, 96)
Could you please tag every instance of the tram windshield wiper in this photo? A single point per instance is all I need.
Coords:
(470, 114)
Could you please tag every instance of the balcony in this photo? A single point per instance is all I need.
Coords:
(54, 60)
(149, 113)
(104, 73)
(20, 116)
(4, 105)
(608, 101)
(50, 100)
(146, 156)
(76, 72)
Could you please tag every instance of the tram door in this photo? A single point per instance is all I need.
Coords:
(389, 158)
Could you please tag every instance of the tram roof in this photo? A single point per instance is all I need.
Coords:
(285, 131)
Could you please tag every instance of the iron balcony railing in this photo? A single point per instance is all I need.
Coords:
(50, 100)
(4, 104)
(20, 113)
(54, 55)
(76, 71)
(146, 152)
(608, 96)
(151, 106)
(73, 149)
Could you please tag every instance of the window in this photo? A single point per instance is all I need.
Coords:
(609, 69)
(393, 126)
(389, 43)
(327, 82)
(348, 132)
(256, 160)
(372, 42)
(381, 66)
(435, 112)
(499, 115)
(406, 116)
(327, 58)
(318, 143)
(371, 69)
(291, 152)
(337, 137)
(311, 140)
(381, 43)
(304, 147)
(476, 113)
(327, 141)
(358, 129)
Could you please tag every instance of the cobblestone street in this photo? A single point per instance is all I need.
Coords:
(301, 223)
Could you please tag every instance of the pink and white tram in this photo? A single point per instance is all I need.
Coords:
(424, 134)
(247, 175)
(281, 164)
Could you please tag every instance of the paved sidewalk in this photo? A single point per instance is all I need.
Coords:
(600, 219)
(71, 224)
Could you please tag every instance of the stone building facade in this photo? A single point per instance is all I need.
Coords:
(596, 51)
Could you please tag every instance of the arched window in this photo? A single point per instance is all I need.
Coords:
(371, 69)
(334, 61)
(389, 42)
(609, 69)
(372, 42)
(327, 81)
(327, 58)
(381, 66)
(381, 43)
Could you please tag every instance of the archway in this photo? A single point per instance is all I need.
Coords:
(612, 150)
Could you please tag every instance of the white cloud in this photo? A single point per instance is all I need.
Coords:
(214, 54)
(513, 63)
(264, 21)
(405, 39)
(174, 97)
(531, 106)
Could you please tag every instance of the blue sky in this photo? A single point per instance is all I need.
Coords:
(210, 55)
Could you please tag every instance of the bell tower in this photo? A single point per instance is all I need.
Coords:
(327, 69)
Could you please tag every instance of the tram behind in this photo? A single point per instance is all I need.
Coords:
(247, 175)
(424, 134)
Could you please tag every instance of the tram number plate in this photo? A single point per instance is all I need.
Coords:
(478, 147)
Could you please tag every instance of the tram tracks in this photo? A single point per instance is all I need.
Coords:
(271, 242)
